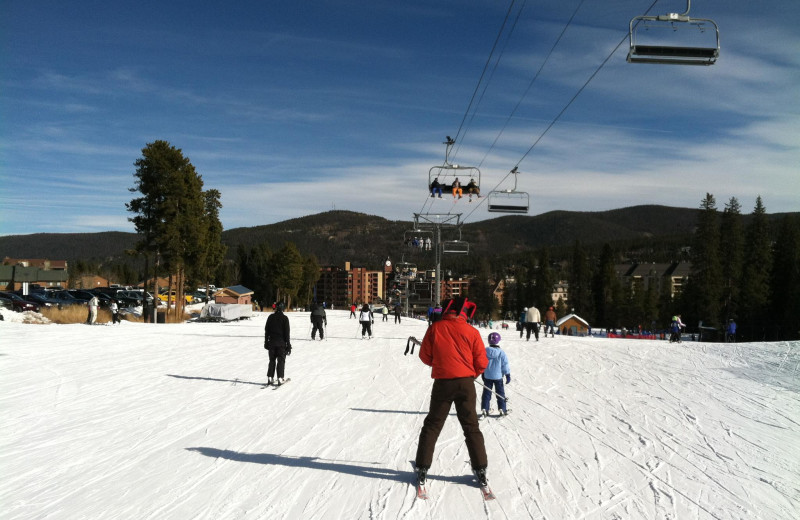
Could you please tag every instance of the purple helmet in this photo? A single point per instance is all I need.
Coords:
(494, 338)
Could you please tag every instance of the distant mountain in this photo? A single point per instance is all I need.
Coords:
(339, 236)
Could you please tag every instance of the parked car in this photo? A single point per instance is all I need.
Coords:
(42, 300)
(172, 294)
(66, 298)
(6, 303)
(18, 304)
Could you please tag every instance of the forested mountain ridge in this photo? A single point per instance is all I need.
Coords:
(338, 236)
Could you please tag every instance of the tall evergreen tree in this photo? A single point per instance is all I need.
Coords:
(287, 266)
(606, 290)
(706, 274)
(544, 279)
(580, 284)
(755, 283)
(213, 251)
(785, 315)
(731, 257)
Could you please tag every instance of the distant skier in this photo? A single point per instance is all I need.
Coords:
(318, 318)
(455, 352)
(385, 313)
(676, 328)
(397, 311)
(352, 311)
(114, 307)
(730, 331)
(276, 341)
(532, 320)
(93, 304)
(366, 318)
(550, 318)
(521, 322)
(493, 376)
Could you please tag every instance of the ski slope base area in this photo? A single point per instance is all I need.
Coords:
(137, 421)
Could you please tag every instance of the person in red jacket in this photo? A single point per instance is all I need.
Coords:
(454, 350)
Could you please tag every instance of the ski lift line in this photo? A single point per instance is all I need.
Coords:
(491, 75)
(533, 80)
(486, 66)
(569, 103)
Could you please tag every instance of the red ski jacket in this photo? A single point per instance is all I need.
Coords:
(453, 348)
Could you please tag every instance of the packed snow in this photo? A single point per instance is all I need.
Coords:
(171, 421)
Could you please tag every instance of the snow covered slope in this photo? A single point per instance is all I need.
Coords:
(170, 421)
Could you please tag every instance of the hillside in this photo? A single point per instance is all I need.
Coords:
(339, 236)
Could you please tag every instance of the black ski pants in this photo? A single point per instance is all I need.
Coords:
(316, 325)
(531, 327)
(366, 328)
(277, 359)
(445, 393)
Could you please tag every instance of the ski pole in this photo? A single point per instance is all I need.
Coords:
(492, 391)
(411, 343)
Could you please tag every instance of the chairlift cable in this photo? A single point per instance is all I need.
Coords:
(578, 93)
(563, 110)
(485, 67)
(530, 85)
(491, 75)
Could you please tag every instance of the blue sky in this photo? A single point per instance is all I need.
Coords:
(294, 108)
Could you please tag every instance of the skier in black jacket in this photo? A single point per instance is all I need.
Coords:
(276, 341)
(318, 317)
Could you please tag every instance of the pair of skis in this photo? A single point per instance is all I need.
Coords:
(422, 487)
(276, 385)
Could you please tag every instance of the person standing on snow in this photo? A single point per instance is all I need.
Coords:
(493, 376)
(318, 318)
(276, 341)
(352, 311)
(93, 304)
(366, 318)
(454, 350)
(397, 311)
(532, 320)
(385, 313)
(114, 307)
(521, 322)
(550, 322)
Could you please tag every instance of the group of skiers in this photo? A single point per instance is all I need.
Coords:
(530, 320)
(456, 354)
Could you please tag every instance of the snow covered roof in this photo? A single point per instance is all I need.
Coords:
(568, 316)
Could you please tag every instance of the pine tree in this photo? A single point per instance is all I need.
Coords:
(544, 279)
(607, 290)
(580, 284)
(785, 315)
(287, 265)
(706, 274)
(731, 256)
(755, 284)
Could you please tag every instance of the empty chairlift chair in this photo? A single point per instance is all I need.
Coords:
(697, 48)
(508, 201)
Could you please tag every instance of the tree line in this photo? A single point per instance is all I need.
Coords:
(746, 273)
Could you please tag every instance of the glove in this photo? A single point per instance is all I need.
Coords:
(373, 322)
(508, 378)
(288, 350)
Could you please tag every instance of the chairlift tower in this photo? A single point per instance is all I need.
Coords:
(437, 221)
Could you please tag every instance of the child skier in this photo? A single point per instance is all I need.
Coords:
(493, 376)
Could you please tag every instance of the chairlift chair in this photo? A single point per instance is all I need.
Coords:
(447, 173)
(405, 271)
(508, 201)
(455, 247)
(659, 52)
(421, 236)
